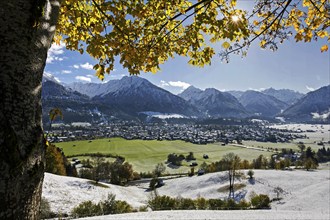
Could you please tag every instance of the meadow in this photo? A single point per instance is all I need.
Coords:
(144, 155)
(279, 146)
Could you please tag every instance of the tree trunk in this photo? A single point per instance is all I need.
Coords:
(27, 29)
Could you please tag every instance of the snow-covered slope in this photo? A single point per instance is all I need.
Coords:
(306, 194)
(314, 106)
(64, 193)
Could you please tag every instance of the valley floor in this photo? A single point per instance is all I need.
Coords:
(306, 195)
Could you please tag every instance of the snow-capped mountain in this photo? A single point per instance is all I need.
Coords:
(135, 94)
(312, 107)
(74, 105)
(131, 97)
(285, 95)
(214, 103)
(261, 104)
(49, 77)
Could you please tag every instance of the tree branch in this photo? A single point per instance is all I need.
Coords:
(280, 15)
(183, 20)
(317, 8)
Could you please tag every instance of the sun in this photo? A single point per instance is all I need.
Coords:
(235, 18)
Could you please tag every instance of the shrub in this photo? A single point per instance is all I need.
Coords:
(216, 204)
(153, 183)
(162, 203)
(136, 176)
(190, 156)
(86, 173)
(122, 207)
(185, 204)
(175, 159)
(86, 209)
(146, 174)
(201, 203)
(45, 211)
(243, 204)
(230, 204)
(113, 206)
(109, 206)
(260, 201)
(143, 209)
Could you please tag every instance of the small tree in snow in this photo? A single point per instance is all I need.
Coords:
(250, 174)
(159, 169)
(278, 190)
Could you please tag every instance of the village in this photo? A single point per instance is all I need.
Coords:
(194, 133)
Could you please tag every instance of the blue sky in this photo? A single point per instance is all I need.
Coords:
(298, 66)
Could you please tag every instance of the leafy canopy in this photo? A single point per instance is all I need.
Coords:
(144, 34)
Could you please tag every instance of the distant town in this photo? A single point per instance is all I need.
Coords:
(194, 133)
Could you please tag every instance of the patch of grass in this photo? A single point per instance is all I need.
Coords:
(237, 186)
(98, 184)
(280, 146)
(144, 155)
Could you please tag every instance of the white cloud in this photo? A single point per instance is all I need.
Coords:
(76, 66)
(163, 83)
(310, 88)
(83, 78)
(54, 51)
(258, 90)
(90, 76)
(180, 84)
(177, 84)
(66, 71)
(86, 66)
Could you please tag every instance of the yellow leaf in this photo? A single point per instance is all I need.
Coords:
(262, 43)
(322, 34)
(324, 48)
(306, 3)
(298, 37)
(100, 72)
(53, 113)
(226, 45)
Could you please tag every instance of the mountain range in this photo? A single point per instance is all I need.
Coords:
(214, 103)
(136, 98)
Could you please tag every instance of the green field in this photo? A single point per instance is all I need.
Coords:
(144, 155)
(279, 146)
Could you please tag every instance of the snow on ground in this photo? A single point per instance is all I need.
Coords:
(64, 193)
(321, 131)
(306, 195)
(216, 215)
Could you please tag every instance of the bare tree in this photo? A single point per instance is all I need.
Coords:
(278, 190)
(232, 164)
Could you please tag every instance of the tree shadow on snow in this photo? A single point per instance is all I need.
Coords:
(252, 181)
(240, 195)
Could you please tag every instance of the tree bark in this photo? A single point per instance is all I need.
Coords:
(27, 29)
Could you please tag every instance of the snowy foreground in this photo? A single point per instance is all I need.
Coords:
(306, 195)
